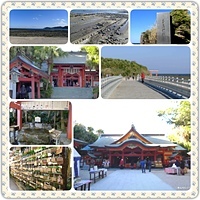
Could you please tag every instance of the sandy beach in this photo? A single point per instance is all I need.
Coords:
(99, 28)
(38, 40)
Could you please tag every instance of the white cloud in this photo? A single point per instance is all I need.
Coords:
(60, 22)
(35, 18)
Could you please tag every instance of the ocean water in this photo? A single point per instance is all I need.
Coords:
(185, 76)
(38, 29)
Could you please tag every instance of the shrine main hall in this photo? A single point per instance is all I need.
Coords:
(132, 147)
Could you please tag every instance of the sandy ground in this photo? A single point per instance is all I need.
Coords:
(38, 40)
(99, 29)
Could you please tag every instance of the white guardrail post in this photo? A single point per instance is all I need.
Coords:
(178, 86)
(108, 84)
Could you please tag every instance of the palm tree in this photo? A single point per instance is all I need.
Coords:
(47, 54)
(99, 132)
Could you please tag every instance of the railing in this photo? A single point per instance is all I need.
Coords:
(174, 87)
(108, 84)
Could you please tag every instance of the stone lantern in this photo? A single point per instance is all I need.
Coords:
(14, 72)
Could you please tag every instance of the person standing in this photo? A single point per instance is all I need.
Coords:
(182, 166)
(142, 77)
(121, 163)
(23, 92)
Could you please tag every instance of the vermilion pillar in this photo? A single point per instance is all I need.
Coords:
(60, 77)
(32, 88)
(38, 90)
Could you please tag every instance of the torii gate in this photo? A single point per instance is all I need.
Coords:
(153, 71)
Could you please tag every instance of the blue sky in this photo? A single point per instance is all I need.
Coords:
(142, 20)
(165, 59)
(38, 18)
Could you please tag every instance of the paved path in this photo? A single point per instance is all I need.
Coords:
(132, 89)
(128, 179)
(71, 93)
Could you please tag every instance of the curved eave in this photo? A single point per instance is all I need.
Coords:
(127, 135)
(131, 142)
(35, 69)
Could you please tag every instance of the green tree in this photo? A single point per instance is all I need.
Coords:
(92, 56)
(180, 117)
(181, 29)
(81, 133)
(181, 26)
(39, 55)
(125, 68)
(100, 131)
(47, 54)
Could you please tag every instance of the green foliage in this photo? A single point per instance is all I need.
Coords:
(180, 117)
(125, 68)
(92, 56)
(95, 92)
(181, 29)
(47, 117)
(181, 25)
(81, 133)
(39, 55)
(12, 119)
(47, 90)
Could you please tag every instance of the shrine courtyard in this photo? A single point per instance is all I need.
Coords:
(134, 179)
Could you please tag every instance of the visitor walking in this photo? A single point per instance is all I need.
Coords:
(142, 77)
(143, 165)
(121, 163)
(182, 166)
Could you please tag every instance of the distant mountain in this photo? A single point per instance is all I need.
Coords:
(57, 28)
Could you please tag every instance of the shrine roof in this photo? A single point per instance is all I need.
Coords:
(109, 140)
(29, 63)
(86, 148)
(80, 141)
(132, 140)
(105, 139)
(25, 60)
(158, 139)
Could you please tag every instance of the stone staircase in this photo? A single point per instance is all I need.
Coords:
(72, 93)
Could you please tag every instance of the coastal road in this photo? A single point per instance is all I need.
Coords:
(133, 89)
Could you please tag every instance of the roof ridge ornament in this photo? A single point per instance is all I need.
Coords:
(133, 127)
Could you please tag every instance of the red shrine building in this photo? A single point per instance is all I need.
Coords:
(71, 71)
(30, 75)
(134, 146)
(68, 71)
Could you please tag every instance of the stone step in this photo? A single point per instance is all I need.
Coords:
(72, 93)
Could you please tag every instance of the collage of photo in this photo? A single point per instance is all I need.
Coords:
(99, 100)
